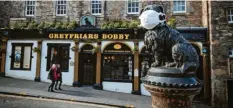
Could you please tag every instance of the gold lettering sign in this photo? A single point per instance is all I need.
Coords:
(114, 36)
(117, 46)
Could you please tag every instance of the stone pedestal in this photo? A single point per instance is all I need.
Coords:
(170, 88)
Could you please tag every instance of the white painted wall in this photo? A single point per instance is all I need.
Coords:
(144, 91)
(67, 77)
(141, 45)
(117, 87)
(21, 74)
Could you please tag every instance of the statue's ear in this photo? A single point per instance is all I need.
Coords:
(141, 12)
(160, 8)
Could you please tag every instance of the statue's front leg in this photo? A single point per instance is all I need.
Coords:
(157, 62)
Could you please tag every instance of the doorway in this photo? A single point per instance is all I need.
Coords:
(230, 94)
(87, 68)
(199, 74)
(0, 60)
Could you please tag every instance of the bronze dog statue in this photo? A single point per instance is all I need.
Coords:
(169, 47)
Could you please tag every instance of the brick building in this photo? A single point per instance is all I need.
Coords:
(215, 51)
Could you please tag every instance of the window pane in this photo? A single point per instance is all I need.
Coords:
(231, 11)
(27, 57)
(99, 10)
(183, 8)
(17, 57)
(231, 18)
(129, 9)
(133, 10)
(137, 10)
(65, 58)
(133, 4)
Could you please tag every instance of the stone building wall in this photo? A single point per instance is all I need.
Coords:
(221, 39)
(45, 11)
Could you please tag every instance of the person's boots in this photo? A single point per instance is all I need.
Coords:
(52, 89)
(60, 88)
(49, 89)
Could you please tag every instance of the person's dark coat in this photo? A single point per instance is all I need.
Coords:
(60, 74)
(52, 75)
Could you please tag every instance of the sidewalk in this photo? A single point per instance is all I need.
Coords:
(81, 94)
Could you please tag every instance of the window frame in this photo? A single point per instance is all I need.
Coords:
(97, 8)
(177, 11)
(22, 45)
(230, 21)
(56, 7)
(26, 5)
(127, 7)
(48, 56)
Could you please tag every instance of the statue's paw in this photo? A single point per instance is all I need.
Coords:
(155, 64)
(173, 64)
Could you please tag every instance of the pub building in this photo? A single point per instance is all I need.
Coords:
(105, 59)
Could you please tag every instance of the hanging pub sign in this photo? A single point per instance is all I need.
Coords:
(88, 21)
(117, 48)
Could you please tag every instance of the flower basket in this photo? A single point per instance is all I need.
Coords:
(74, 48)
(95, 49)
(36, 49)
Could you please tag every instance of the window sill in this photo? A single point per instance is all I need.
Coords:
(230, 24)
(132, 14)
(20, 69)
(61, 15)
(179, 13)
(97, 14)
(29, 15)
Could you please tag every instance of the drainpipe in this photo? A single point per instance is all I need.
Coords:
(209, 48)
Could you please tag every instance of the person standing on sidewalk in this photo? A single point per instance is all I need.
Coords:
(59, 79)
(53, 77)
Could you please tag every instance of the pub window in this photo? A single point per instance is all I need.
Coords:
(179, 6)
(96, 7)
(21, 56)
(61, 8)
(117, 63)
(230, 15)
(58, 54)
(133, 7)
(30, 7)
(117, 68)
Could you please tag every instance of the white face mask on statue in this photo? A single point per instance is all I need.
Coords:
(150, 19)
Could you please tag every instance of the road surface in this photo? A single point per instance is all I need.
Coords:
(10, 101)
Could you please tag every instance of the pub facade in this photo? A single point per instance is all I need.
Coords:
(109, 60)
